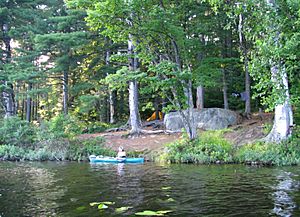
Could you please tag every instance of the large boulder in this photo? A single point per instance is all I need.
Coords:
(207, 119)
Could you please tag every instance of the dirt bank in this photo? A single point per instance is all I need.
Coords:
(246, 132)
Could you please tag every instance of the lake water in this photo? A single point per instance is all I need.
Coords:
(67, 189)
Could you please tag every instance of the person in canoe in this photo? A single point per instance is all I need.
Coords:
(121, 153)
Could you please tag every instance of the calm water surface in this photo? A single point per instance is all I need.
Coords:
(67, 189)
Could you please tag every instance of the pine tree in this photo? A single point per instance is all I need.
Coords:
(66, 35)
(20, 20)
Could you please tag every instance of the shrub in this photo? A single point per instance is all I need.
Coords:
(10, 152)
(57, 150)
(62, 126)
(285, 153)
(14, 131)
(208, 148)
(96, 127)
(267, 128)
(81, 149)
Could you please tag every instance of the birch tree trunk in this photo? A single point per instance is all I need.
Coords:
(133, 108)
(190, 123)
(111, 107)
(200, 97)
(111, 94)
(225, 97)
(133, 91)
(283, 119)
(244, 50)
(187, 116)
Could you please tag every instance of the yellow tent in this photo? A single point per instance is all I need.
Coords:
(153, 116)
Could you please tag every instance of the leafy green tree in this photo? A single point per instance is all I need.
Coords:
(272, 71)
(273, 37)
(117, 20)
(166, 35)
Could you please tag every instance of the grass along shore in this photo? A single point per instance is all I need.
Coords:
(58, 141)
(210, 148)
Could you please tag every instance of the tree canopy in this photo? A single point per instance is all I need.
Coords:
(80, 57)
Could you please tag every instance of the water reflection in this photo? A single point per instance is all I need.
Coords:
(51, 189)
(121, 183)
(32, 189)
(120, 170)
(45, 191)
(284, 204)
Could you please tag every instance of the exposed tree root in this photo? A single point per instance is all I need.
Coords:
(147, 132)
(116, 129)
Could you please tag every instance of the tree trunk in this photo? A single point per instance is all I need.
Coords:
(188, 117)
(200, 97)
(111, 107)
(122, 105)
(243, 46)
(133, 108)
(283, 119)
(111, 94)
(28, 103)
(23, 109)
(247, 88)
(8, 100)
(225, 97)
(190, 124)
(156, 106)
(37, 106)
(17, 100)
(164, 105)
(65, 92)
(32, 109)
(8, 93)
(133, 92)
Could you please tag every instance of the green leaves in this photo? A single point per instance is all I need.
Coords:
(120, 79)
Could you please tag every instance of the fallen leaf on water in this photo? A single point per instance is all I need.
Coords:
(81, 208)
(108, 202)
(170, 200)
(94, 203)
(153, 213)
(102, 206)
(123, 209)
(104, 202)
(164, 211)
(166, 188)
(148, 213)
